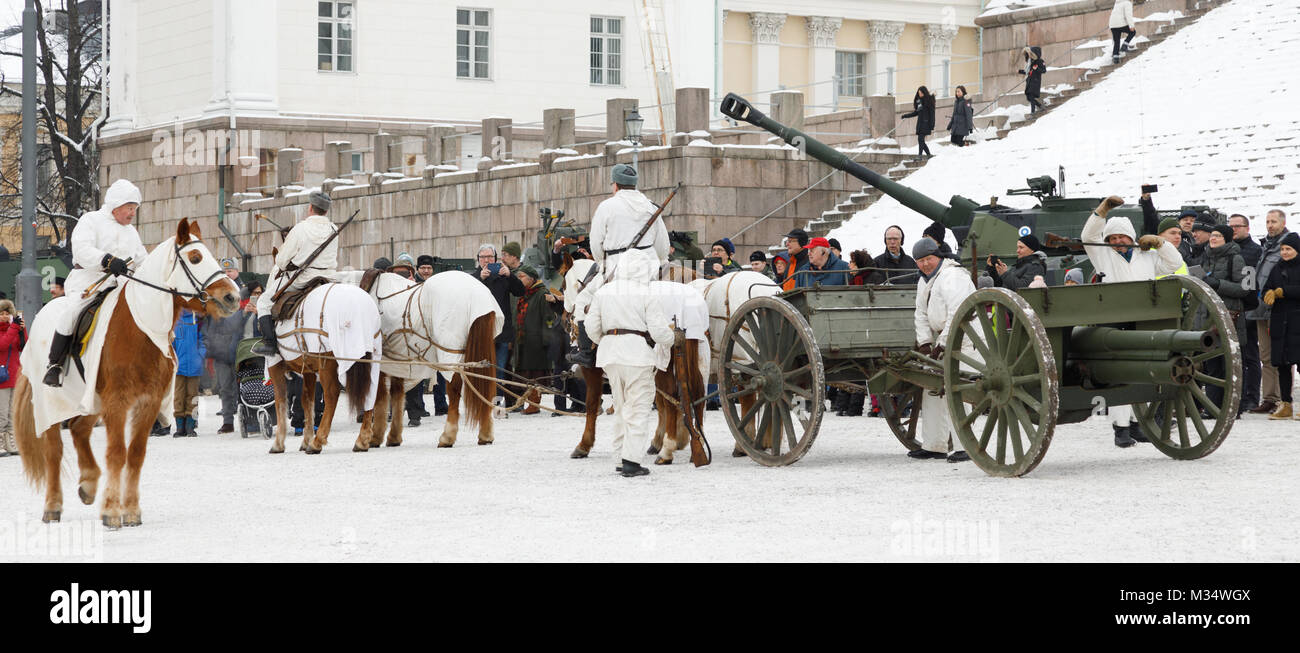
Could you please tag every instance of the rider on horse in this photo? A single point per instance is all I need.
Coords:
(102, 242)
(302, 240)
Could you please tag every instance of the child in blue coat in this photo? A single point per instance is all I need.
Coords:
(188, 341)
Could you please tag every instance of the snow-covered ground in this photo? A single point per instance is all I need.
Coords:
(855, 496)
(1208, 115)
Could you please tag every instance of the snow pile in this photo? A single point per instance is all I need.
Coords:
(1144, 124)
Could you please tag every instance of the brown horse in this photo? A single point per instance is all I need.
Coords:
(134, 376)
(318, 324)
(671, 434)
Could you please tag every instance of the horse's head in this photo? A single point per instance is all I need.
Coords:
(198, 275)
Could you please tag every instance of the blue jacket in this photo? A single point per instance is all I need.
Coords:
(189, 345)
(831, 276)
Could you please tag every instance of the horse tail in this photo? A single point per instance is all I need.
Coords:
(358, 383)
(31, 448)
(481, 346)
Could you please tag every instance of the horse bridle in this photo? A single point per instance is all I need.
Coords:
(202, 294)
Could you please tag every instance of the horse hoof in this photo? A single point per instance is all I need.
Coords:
(112, 523)
(393, 444)
(375, 443)
(444, 445)
(578, 453)
(738, 453)
(277, 450)
(661, 461)
(484, 442)
(359, 449)
(652, 450)
(87, 498)
(312, 452)
(131, 521)
(51, 516)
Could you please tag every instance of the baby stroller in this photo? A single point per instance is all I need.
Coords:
(256, 398)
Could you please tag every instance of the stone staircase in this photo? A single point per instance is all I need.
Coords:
(1001, 124)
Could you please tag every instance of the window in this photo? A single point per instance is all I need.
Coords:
(357, 163)
(334, 36)
(848, 69)
(473, 35)
(606, 51)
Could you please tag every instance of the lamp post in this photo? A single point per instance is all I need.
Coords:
(28, 284)
(633, 122)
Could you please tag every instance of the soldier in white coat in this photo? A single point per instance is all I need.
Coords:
(616, 222)
(101, 243)
(943, 286)
(1152, 257)
(303, 239)
(626, 319)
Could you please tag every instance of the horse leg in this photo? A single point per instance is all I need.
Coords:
(486, 433)
(139, 441)
(308, 399)
(88, 485)
(114, 460)
(397, 403)
(449, 430)
(379, 418)
(594, 378)
(53, 489)
(329, 382)
(281, 406)
(661, 429)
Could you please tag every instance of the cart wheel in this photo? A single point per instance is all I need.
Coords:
(264, 422)
(902, 413)
(998, 350)
(768, 353)
(1202, 310)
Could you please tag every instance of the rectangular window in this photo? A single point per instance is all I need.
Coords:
(849, 67)
(356, 163)
(473, 38)
(606, 51)
(334, 36)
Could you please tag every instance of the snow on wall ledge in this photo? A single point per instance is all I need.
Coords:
(1207, 114)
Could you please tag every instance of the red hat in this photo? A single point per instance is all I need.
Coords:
(819, 242)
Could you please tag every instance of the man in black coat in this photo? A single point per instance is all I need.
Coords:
(1250, 363)
(497, 277)
(901, 269)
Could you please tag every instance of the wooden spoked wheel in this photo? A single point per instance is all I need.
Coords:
(1165, 423)
(769, 355)
(998, 355)
(902, 413)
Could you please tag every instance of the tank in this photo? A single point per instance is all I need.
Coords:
(981, 229)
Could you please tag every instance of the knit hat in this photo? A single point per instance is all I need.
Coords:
(423, 260)
(1031, 242)
(923, 248)
(725, 243)
(624, 175)
(383, 263)
(799, 235)
(1167, 224)
(818, 242)
(834, 244)
(1291, 240)
(528, 270)
(321, 201)
(228, 264)
(1202, 226)
(1038, 282)
(936, 230)
(1225, 231)
(512, 248)
(758, 256)
(59, 281)
(1075, 275)
(7, 306)
(984, 281)
(784, 258)
(404, 260)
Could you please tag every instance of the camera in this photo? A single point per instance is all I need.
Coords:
(1149, 188)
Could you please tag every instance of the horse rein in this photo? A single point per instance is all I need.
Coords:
(201, 294)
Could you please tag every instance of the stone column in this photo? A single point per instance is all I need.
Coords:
(821, 60)
(248, 85)
(497, 140)
(883, 55)
(338, 166)
(692, 109)
(439, 145)
(616, 110)
(787, 108)
(123, 64)
(380, 150)
(559, 130)
(288, 169)
(880, 115)
(766, 28)
(938, 49)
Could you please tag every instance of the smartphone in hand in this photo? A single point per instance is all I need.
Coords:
(1149, 188)
(494, 268)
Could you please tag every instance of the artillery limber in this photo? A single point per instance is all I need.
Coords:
(1014, 365)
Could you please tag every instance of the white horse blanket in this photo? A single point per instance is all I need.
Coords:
(337, 318)
(724, 295)
(432, 322)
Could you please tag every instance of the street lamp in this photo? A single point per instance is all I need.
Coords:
(633, 122)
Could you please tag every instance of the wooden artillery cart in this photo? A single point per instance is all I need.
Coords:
(1015, 364)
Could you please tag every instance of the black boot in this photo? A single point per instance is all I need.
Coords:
(586, 354)
(1135, 432)
(1123, 439)
(58, 353)
(631, 469)
(268, 346)
(856, 403)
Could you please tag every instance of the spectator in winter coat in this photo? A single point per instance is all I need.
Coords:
(423, 267)
(1074, 277)
(1200, 241)
(722, 250)
(1282, 293)
(13, 338)
(496, 276)
(1224, 272)
(962, 122)
(796, 243)
(536, 315)
(1033, 72)
(780, 263)
(758, 263)
(404, 265)
(898, 267)
(1251, 367)
(1271, 256)
(938, 233)
(923, 111)
(190, 345)
(1173, 234)
(1121, 22)
(1030, 262)
(223, 336)
(860, 263)
(829, 269)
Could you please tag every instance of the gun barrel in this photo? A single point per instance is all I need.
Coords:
(959, 212)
